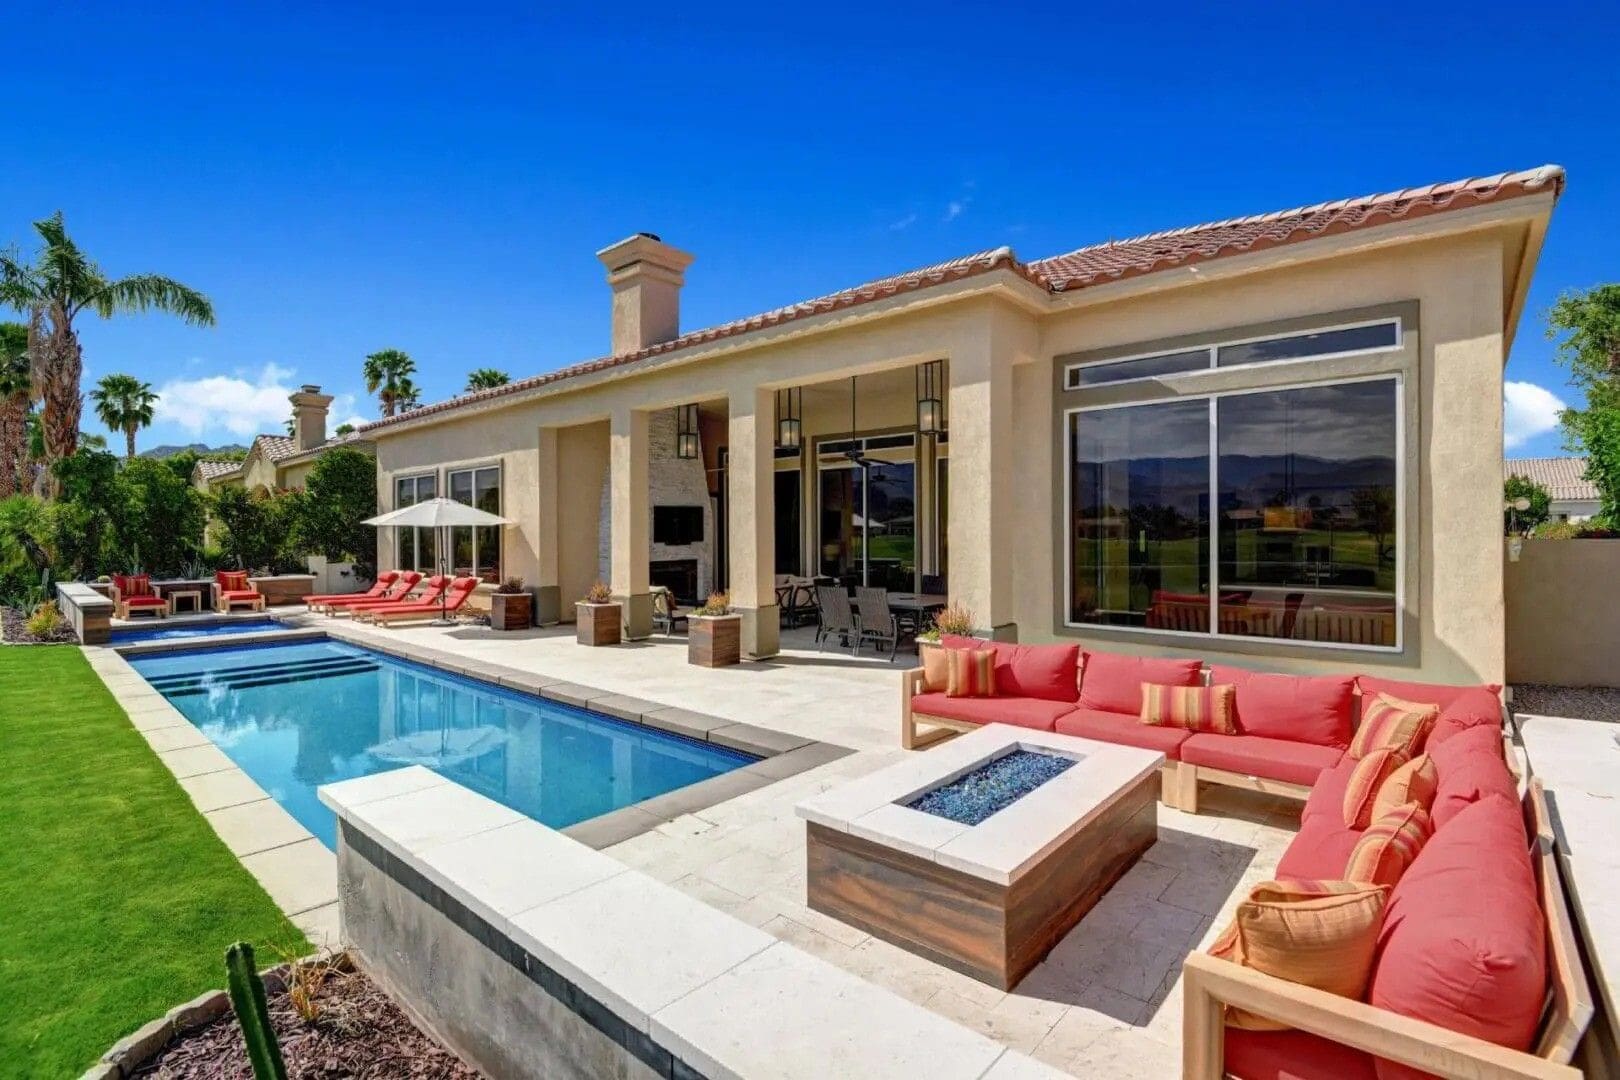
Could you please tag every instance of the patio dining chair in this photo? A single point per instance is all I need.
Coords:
(875, 622)
(667, 615)
(835, 616)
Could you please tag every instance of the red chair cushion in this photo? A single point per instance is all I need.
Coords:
(1047, 672)
(145, 601)
(1419, 693)
(1469, 780)
(1020, 712)
(1125, 730)
(1293, 1055)
(1463, 943)
(1476, 707)
(1255, 755)
(239, 594)
(1306, 708)
(1320, 851)
(1113, 682)
(1327, 794)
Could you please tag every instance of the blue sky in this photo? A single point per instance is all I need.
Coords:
(339, 181)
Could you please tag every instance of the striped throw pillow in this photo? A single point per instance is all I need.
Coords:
(1321, 934)
(1196, 708)
(233, 580)
(1388, 721)
(137, 585)
(970, 673)
(1366, 780)
(1388, 847)
(1418, 781)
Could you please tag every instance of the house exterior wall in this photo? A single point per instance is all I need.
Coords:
(1555, 633)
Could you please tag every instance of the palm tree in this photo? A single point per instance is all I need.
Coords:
(61, 283)
(388, 375)
(124, 403)
(15, 394)
(486, 378)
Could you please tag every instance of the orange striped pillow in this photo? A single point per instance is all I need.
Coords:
(1316, 933)
(1196, 708)
(970, 672)
(1418, 781)
(1385, 850)
(1388, 721)
(1366, 780)
(233, 580)
(137, 585)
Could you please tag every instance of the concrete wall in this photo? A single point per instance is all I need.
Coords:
(1563, 622)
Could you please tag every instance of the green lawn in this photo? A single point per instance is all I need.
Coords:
(116, 898)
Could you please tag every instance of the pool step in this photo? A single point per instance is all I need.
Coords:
(237, 678)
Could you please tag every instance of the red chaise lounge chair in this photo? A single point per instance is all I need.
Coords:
(231, 588)
(134, 592)
(395, 593)
(460, 590)
(432, 589)
(314, 601)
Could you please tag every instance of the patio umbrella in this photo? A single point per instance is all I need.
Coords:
(444, 749)
(441, 515)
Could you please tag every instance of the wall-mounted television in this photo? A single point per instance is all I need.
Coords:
(676, 525)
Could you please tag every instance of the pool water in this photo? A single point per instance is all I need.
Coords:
(299, 715)
(180, 631)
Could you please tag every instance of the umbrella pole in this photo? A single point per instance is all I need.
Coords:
(444, 568)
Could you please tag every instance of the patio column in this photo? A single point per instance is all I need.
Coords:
(981, 525)
(751, 518)
(630, 509)
(548, 538)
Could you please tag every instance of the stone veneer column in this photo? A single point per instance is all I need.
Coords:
(981, 525)
(548, 538)
(751, 519)
(629, 513)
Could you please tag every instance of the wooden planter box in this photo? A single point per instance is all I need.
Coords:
(598, 624)
(511, 611)
(714, 640)
(284, 588)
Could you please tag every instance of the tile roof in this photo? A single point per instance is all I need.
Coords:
(276, 447)
(212, 470)
(1094, 265)
(1563, 477)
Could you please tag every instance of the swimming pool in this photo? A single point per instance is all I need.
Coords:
(183, 631)
(299, 715)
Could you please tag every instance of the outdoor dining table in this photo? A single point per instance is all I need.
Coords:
(914, 603)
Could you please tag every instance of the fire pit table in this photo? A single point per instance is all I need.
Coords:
(983, 853)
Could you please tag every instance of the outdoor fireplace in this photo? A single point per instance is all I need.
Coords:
(679, 576)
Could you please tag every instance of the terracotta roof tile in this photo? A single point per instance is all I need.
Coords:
(212, 470)
(1563, 477)
(1094, 265)
(276, 447)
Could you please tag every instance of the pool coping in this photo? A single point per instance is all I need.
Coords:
(300, 873)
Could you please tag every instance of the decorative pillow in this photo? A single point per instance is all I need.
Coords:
(1316, 933)
(934, 664)
(1366, 780)
(1414, 782)
(1387, 721)
(1196, 708)
(233, 580)
(1386, 849)
(136, 585)
(970, 672)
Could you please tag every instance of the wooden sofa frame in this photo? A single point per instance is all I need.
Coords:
(121, 608)
(1209, 985)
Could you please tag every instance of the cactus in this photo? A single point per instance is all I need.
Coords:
(253, 1013)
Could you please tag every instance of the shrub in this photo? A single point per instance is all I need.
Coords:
(1523, 522)
(45, 621)
(717, 604)
(952, 619)
(339, 495)
(511, 586)
(599, 593)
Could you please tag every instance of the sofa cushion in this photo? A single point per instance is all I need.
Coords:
(1449, 753)
(146, 600)
(1126, 730)
(1196, 708)
(1386, 849)
(1438, 694)
(1255, 755)
(1327, 794)
(1371, 773)
(1467, 781)
(1306, 708)
(1414, 782)
(1049, 672)
(970, 673)
(1113, 682)
(1320, 850)
(1476, 707)
(1293, 1055)
(1389, 721)
(1020, 712)
(1463, 943)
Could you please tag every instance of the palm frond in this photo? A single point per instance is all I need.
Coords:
(152, 292)
(63, 271)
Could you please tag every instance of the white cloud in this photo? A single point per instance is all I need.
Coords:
(903, 223)
(236, 404)
(955, 208)
(1528, 410)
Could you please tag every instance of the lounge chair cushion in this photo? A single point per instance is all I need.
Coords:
(1126, 730)
(1305, 708)
(239, 594)
(1020, 712)
(1320, 850)
(1463, 943)
(1293, 1055)
(1113, 682)
(1048, 672)
(1255, 755)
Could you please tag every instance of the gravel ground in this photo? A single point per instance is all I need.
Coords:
(14, 625)
(358, 1032)
(1577, 702)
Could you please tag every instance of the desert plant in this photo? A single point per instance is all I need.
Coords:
(253, 1013)
(45, 621)
(951, 619)
(599, 593)
(510, 587)
(717, 604)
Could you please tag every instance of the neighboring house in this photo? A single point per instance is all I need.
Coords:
(279, 462)
(1272, 440)
(1574, 498)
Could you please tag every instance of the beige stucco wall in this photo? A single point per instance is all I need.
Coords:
(1556, 632)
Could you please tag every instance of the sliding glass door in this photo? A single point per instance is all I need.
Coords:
(868, 511)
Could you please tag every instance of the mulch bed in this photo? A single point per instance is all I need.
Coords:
(14, 629)
(358, 1032)
(1599, 703)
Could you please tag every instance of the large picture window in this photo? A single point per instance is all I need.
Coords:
(416, 546)
(1296, 491)
(475, 551)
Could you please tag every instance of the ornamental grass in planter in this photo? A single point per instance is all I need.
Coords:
(714, 634)
(510, 606)
(598, 617)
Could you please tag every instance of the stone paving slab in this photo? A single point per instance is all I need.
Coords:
(299, 877)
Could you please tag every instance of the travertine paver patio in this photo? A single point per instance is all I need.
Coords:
(1105, 1002)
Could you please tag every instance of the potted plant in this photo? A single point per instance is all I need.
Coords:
(951, 619)
(714, 633)
(597, 617)
(510, 606)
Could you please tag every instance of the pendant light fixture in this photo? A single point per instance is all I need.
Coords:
(789, 425)
(930, 407)
(686, 432)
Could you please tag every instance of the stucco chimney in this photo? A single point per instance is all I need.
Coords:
(646, 275)
(309, 415)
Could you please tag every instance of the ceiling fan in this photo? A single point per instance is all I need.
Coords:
(856, 453)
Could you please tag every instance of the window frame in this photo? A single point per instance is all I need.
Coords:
(500, 530)
(415, 478)
(1213, 350)
(1212, 398)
